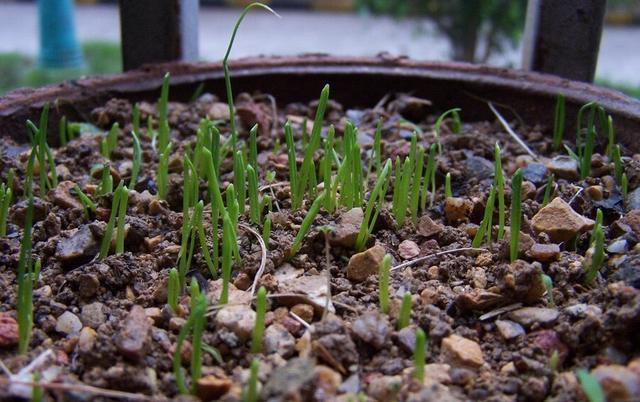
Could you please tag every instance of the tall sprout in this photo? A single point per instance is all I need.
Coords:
(227, 76)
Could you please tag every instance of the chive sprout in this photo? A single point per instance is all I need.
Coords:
(548, 191)
(6, 194)
(258, 329)
(447, 186)
(486, 226)
(25, 267)
(559, 122)
(254, 204)
(266, 231)
(251, 393)
(456, 127)
(516, 214)
(163, 114)
(611, 137)
(137, 160)
(419, 355)
(378, 193)
(110, 142)
(89, 206)
(173, 289)
(383, 285)
(227, 76)
(227, 254)
(306, 224)
(405, 311)
(429, 178)
(592, 265)
(253, 146)
(106, 182)
(548, 285)
(195, 325)
(327, 161)
(401, 191)
(624, 186)
(163, 172)
(590, 386)
(135, 118)
(314, 142)
(416, 183)
(63, 131)
(118, 212)
(499, 184)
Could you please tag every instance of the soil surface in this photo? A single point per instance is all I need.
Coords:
(493, 331)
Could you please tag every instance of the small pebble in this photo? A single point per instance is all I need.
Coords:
(68, 323)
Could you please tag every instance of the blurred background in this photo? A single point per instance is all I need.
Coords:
(483, 31)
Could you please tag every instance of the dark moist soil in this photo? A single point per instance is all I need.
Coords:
(107, 324)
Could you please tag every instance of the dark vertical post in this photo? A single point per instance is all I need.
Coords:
(562, 37)
(158, 31)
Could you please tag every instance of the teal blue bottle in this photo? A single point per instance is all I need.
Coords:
(59, 47)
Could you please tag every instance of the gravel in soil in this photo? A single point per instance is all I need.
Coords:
(492, 328)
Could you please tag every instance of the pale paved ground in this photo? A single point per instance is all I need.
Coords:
(306, 32)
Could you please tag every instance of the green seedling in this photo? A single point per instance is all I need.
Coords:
(516, 214)
(25, 267)
(401, 191)
(227, 255)
(308, 168)
(306, 224)
(369, 220)
(548, 285)
(590, 386)
(598, 223)
(163, 172)
(327, 164)
(199, 228)
(251, 393)
(227, 76)
(350, 176)
(240, 181)
(254, 203)
(197, 92)
(6, 194)
(118, 212)
(89, 206)
(499, 185)
(266, 231)
(554, 361)
(293, 166)
(110, 142)
(258, 329)
(135, 118)
(376, 152)
(137, 160)
(548, 190)
(419, 356)
(592, 265)
(429, 178)
(173, 289)
(585, 146)
(106, 182)
(447, 186)
(559, 122)
(37, 392)
(44, 155)
(405, 311)
(383, 286)
(163, 114)
(253, 146)
(617, 163)
(195, 325)
(416, 183)
(63, 131)
(611, 137)
(624, 185)
(456, 127)
(486, 225)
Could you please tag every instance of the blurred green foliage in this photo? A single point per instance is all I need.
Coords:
(18, 70)
(476, 29)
